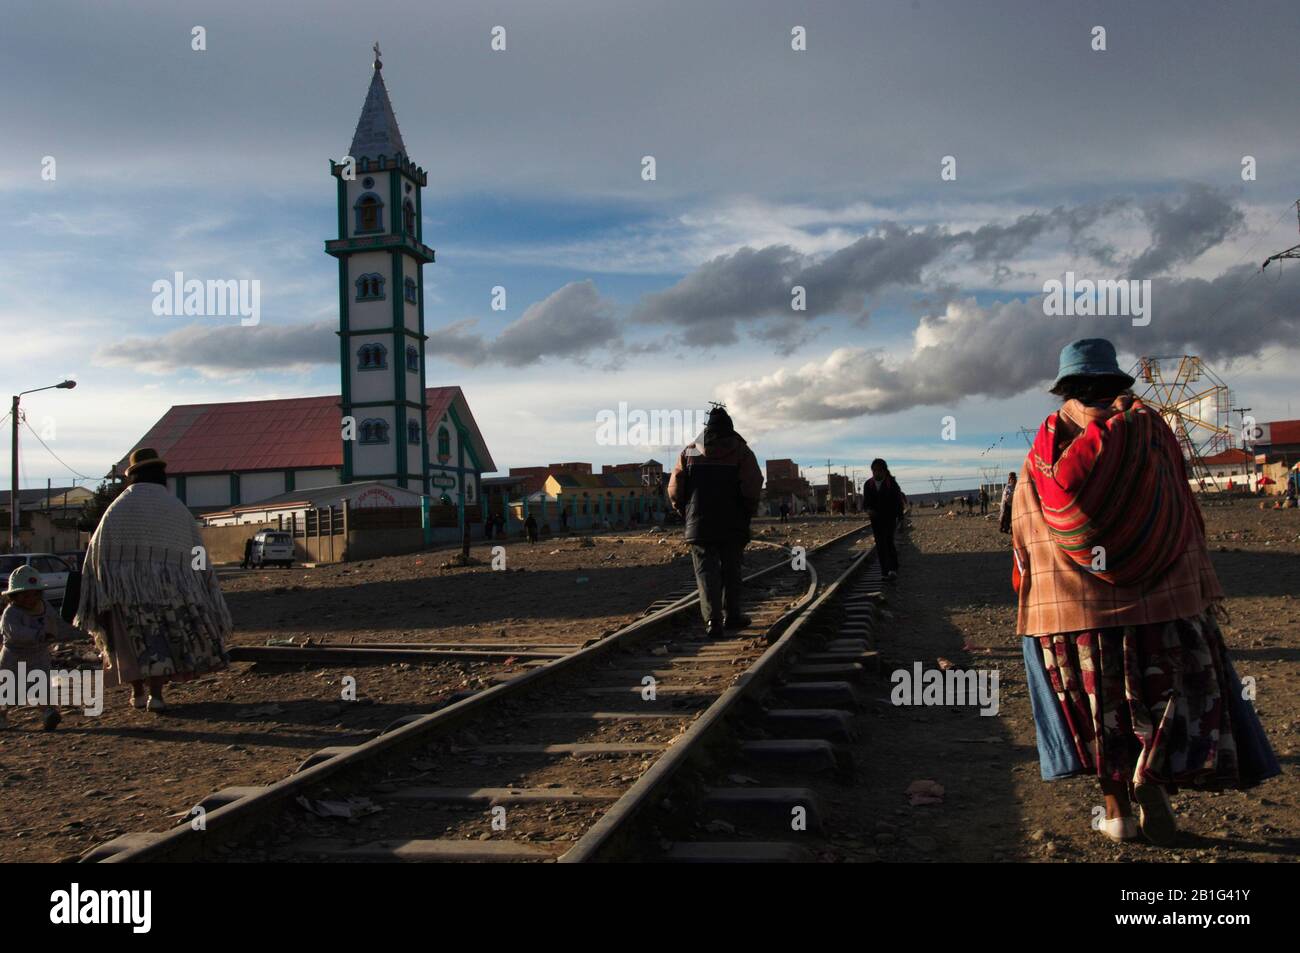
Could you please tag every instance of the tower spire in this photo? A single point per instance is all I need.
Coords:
(377, 133)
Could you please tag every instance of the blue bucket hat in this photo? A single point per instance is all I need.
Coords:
(1090, 357)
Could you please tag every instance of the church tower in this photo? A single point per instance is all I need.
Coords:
(381, 258)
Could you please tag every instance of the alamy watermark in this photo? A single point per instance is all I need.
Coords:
(212, 298)
(951, 687)
(62, 688)
(1103, 298)
(648, 428)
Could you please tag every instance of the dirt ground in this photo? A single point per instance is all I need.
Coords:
(127, 770)
(954, 601)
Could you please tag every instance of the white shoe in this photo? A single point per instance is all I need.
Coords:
(156, 703)
(1120, 829)
(1156, 815)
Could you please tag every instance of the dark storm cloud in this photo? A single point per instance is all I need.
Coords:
(712, 90)
(751, 285)
(228, 349)
(1182, 231)
(571, 322)
(1008, 348)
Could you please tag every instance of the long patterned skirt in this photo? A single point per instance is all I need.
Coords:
(1157, 703)
(177, 643)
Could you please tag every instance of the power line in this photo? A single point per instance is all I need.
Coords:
(75, 473)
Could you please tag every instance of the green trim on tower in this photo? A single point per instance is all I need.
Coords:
(419, 216)
(399, 359)
(288, 481)
(345, 366)
(234, 489)
(343, 203)
(180, 487)
(424, 386)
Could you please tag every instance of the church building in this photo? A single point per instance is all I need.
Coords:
(387, 424)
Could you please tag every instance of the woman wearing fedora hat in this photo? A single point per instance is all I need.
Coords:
(1130, 680)
(155, 616)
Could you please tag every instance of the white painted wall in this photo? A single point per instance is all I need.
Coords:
(260, 486)
(375, 458)
(306, 479)
(370, 314)
(210, 490)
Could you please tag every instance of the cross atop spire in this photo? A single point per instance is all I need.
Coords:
(377, 133)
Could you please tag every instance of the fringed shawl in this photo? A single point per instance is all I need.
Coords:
(142, 553)
(1121, 485)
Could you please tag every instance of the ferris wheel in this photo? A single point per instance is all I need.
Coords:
(1193, 400)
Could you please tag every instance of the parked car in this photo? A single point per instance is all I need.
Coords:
(272, 547)
(53, 570)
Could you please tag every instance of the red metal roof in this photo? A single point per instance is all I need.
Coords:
(297, 433)
(1232, 455)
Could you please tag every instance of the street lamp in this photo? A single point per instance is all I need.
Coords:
(13, 461)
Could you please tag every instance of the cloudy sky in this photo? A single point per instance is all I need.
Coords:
(775, 168)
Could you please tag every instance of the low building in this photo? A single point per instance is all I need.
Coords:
(500, 491)
(285, 508)
(535, 477)
(47, 518)
(225, 455)
(1232, 465)
(348, 521)
(593, 499)
(785, 485)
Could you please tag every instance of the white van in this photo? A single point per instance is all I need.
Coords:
(272, 547)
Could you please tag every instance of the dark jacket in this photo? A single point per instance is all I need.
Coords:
(716, 485)
(886, 501)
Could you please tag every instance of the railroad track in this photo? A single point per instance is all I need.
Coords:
(558, 763)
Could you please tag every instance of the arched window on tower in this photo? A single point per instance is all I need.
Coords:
(374, 430)
(444, 442)
(413, 432)
(412, 358)
(370, 213)
(370, 287)
(408, 218)
(372, 357)
(412, 291)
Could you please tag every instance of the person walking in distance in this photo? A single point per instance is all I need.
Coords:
(984, 501)
(883, 501)
(715, 486)
(1008, 493)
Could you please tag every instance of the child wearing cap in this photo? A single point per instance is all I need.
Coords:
(27, 627)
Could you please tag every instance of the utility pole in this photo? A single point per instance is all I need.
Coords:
(13, 480)
(1292, 252)
(1245, 446)
(13, 460)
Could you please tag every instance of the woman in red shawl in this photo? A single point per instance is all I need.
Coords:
(1129, 677)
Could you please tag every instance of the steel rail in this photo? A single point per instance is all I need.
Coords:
(185, 841)
(603, 839)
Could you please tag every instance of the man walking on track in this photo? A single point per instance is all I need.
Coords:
(715, 486)
(882, 498)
